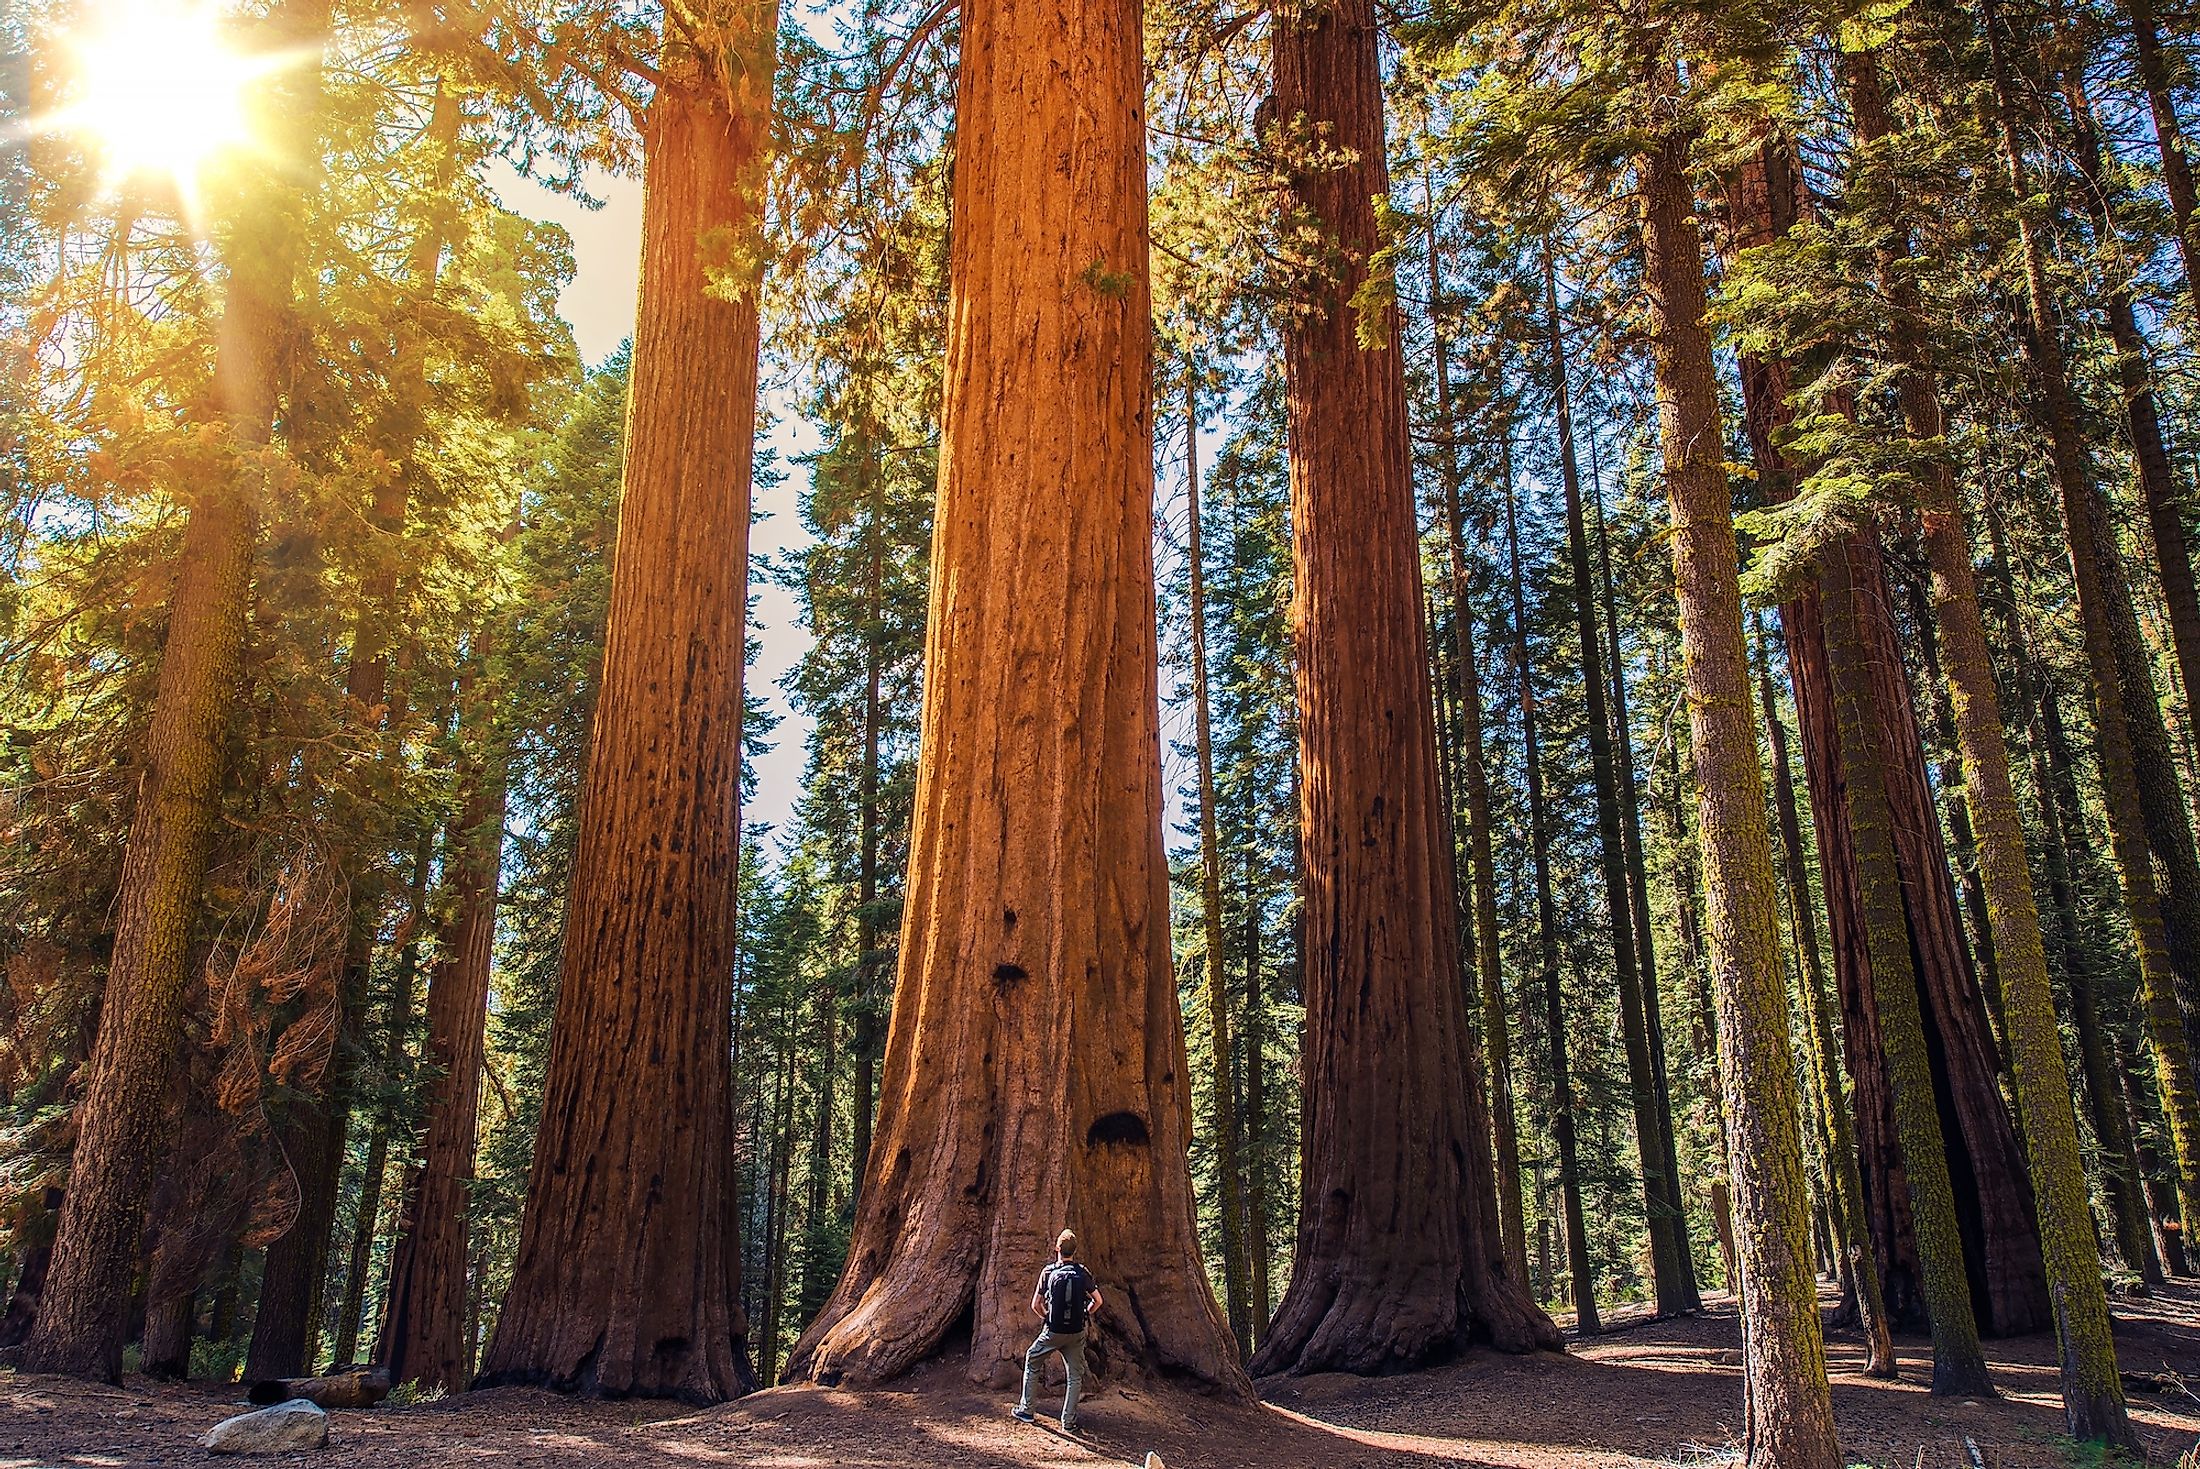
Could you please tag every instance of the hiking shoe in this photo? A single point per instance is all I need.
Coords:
(1023, 1415)
(1069, 1428)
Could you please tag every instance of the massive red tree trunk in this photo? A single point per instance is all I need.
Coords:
(1400, 1257)
(1035, 1072)
(628, 1275)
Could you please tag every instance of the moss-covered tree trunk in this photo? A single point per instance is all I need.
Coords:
(1948, 771)
(1994, 1198)
(1959, 1366)
(1788, 1407)
(2092, 1395)
(2156, 1179)
(1985, 1160)
(2077, 954)
(1035, 1072)
(2092, 560)
(121, 1121)
(2082, 952)
(627, 1280)
(2093, 1403)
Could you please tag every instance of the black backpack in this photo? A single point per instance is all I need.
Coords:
(1068, 1292)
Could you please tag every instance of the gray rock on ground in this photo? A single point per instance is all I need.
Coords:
(286, 1428)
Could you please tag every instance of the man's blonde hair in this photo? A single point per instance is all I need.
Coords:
(1065, 1244)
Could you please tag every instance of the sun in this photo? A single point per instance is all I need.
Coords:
(158, 91)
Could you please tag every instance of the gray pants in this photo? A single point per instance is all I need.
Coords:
(1071, 1344)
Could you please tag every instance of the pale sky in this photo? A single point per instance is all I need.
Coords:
(599, 304)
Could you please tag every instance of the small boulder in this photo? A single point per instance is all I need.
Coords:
(286, 1428)
(1153, 1460)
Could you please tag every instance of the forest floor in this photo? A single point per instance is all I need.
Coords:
(1644, 1393)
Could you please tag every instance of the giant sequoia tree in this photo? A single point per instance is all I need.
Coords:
(1400, 1256)
(1035, 1071)
(627, 1280)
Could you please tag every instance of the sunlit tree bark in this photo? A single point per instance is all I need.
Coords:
(1400, 1258)
(1035, 1072)
(627, 1280)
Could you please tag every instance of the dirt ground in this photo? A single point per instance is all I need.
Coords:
(1645, 1393)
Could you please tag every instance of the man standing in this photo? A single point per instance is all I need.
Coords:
(1067, 1295)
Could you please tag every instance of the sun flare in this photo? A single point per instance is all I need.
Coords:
(159, 92)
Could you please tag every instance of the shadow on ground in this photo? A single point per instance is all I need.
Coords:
(1666, 1392)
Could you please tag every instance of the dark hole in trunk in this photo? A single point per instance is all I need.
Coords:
(1118, 1127)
